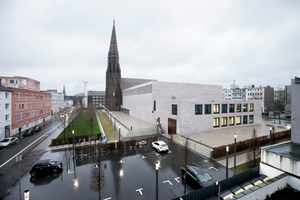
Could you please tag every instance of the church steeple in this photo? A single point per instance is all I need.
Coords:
(113, 93)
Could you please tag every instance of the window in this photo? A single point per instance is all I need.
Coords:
(6, 117)
(16, 117)
(198, 109)
(154, 106)
(174, 109)
(238, 120)
(6, 95)
(231, 121)
(238, 107)
(216, 122)
(251, 119)
(224, 108)
(16, 106)
(22, 106)
(231, 108)
(207, 109)
(216, 108)
(251, 107)
(6, 106)
(245, 119)
(21, 117)
(224, 121)
(16, 94)
(245, 107)
(32, 114)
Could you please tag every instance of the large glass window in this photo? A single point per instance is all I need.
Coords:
(216, 122)
(238, 120)
(245, 107)
(198, 109)
(224, 121)
(245, 119)
(251, 119)
(174, 109)
(238, 107)
(251, 107)
(216, 108)
(231, 108)
(207, 109)
(231, 121)
(224, 108)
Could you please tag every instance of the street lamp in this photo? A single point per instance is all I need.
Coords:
(26, 194)
(270, 135)
(73, 144)
(235, 150)
(227, 150)
(157, 165)
(119, 135)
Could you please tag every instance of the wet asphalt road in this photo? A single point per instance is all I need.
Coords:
(132, 178)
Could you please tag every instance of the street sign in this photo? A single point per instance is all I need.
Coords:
(18, 158)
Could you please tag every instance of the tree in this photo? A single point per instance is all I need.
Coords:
(62, 119)
(91, 120)
(254, 150)
(97, 175)
(185, 161)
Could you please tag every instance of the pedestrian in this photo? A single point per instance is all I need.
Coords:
(20, 132)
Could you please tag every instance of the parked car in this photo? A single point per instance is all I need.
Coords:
(28, 132)
(196, 175)
(37, 129)
(160, 146)
(45, 167)
(143, 142)
(6, 142)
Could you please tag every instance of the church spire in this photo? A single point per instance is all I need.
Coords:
(113, 49)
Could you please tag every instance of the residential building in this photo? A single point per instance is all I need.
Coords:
(20, 82)
(29, 108)
(265, 94)
(235, 92)
(5, 111)
(97, 98)
(184, 108)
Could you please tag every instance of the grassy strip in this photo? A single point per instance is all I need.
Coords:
(80, 127)
(109, 130)
(245, 166)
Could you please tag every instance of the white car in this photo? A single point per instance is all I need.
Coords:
(160, 146)
(6, 142)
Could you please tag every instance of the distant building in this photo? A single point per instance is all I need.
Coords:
(266, 94)
(57, 100)
(20, 82)
(80, 90)
(235, 92)
(5, 111)
(287, 100)
(97, 98)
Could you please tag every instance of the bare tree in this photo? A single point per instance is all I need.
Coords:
(91, 120)
(185, 161)
(254, 150)
(97, 175)
(62, 120)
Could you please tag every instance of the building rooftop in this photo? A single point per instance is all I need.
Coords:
(96, 93)
(130, 82)
(288, 149)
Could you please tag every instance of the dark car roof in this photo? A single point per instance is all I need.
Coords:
(197, 169)
(42, 161)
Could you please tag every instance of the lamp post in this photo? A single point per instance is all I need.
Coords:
(119, 135)
(235, 150)
(217, 183)
(227, 150)
(157, 167)
(26, 194)
(73, 144)
(270, 135)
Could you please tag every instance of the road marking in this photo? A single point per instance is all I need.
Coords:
(140, 190)
(144, 157)
(169, 151)
(26, 147)
(157, 154)
(177, 180)
(69, 172)
(122, 161)
(107, 198)
(213, 168)
(167, 181)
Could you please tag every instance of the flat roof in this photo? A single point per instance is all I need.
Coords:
(288, 149)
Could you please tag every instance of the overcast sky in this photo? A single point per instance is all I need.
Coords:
(63, 42)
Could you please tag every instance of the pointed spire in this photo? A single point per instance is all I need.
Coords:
(113, 49)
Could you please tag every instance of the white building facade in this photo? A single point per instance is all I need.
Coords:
(57, 100)
(188, 108)
(5, 111)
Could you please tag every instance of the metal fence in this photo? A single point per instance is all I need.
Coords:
(225, 184)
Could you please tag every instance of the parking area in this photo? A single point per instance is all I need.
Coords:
(129, 174)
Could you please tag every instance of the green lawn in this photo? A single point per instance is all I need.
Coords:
(109, 130)
(80, 127)
(245, 166)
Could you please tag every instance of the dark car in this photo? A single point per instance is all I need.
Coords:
(196, 175)
(37, 129)
(45, 167)
(28, 132)
(44, 180)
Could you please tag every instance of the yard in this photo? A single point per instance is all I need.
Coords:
(109, 130)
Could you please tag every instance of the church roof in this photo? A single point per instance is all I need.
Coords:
(130, 82)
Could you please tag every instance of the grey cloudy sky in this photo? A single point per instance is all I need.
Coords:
(61, 42)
